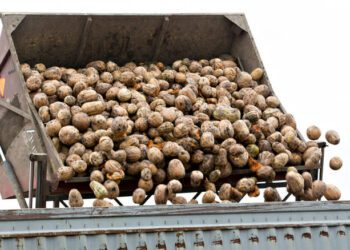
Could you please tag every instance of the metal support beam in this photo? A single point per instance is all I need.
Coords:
(147, 198)
(118, 201)
(286, 197)
(41, 185)
(63, 203)
(196, 195)
(15, 109)
(12, 177)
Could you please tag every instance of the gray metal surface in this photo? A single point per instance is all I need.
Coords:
(299, 225)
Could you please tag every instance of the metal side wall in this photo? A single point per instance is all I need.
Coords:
(299, 225)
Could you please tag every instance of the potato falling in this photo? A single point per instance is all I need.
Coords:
(189, 124)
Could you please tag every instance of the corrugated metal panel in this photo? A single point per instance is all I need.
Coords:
(300, 225)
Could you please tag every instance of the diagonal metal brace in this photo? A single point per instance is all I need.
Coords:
(15, 109)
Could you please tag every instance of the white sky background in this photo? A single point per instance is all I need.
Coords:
(305, 47)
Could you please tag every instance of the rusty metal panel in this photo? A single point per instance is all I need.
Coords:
(213, 226)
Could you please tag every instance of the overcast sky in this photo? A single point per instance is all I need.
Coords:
(305, 47)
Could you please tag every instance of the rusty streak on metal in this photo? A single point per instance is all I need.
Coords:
(254, 239)
(180, 245)
(199, 244)
(289, 237)
(161, 246)
(341, 233)
(236, 241)
(217, 243)
(272, 238)
(144, 247)
(306, 235)
(324, 233)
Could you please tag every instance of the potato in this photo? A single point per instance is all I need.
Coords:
(112, 189)
(272, 101)
(89, 139)
(79, 166)
(64, 116)
(119, 126)
(183, 103)
(155, 119)
(98, 65)
(246, 185)
(70, 100)
(64, 91)
(133, 154)
(176, 169)
(335, 163)
(196, 178)
(65, 173)
(160, 176)
(75, 199)
(40, 99)
(271, 194)
(226, 113)
(44, 114)
(56, 107)
(161, 194)
(96, 159)
(124, 95)
(208, 197)
(171, 149)
(146, 185)
(105, 144)
(87, 95)
(174, 186)
(332, 193)
(318, 189)
(97, 175)
(69, 135)
(332, 137)
(214, 175)
(139, 196)
(53, 128)
(178, 200)
(295, 182)
(53, 73)
(99, 190)
(280, 161)
(207, 140)
(146, 174)
(238, 155)
(40, 67)
(48, 87)
(101, 203)
(307, 180)
(81, 121)
(313, 132)
(225, 191)
(93, 108)
(155, 155)
(266, 173)
(257, 74)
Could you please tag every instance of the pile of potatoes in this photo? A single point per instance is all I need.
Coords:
(158, 123)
